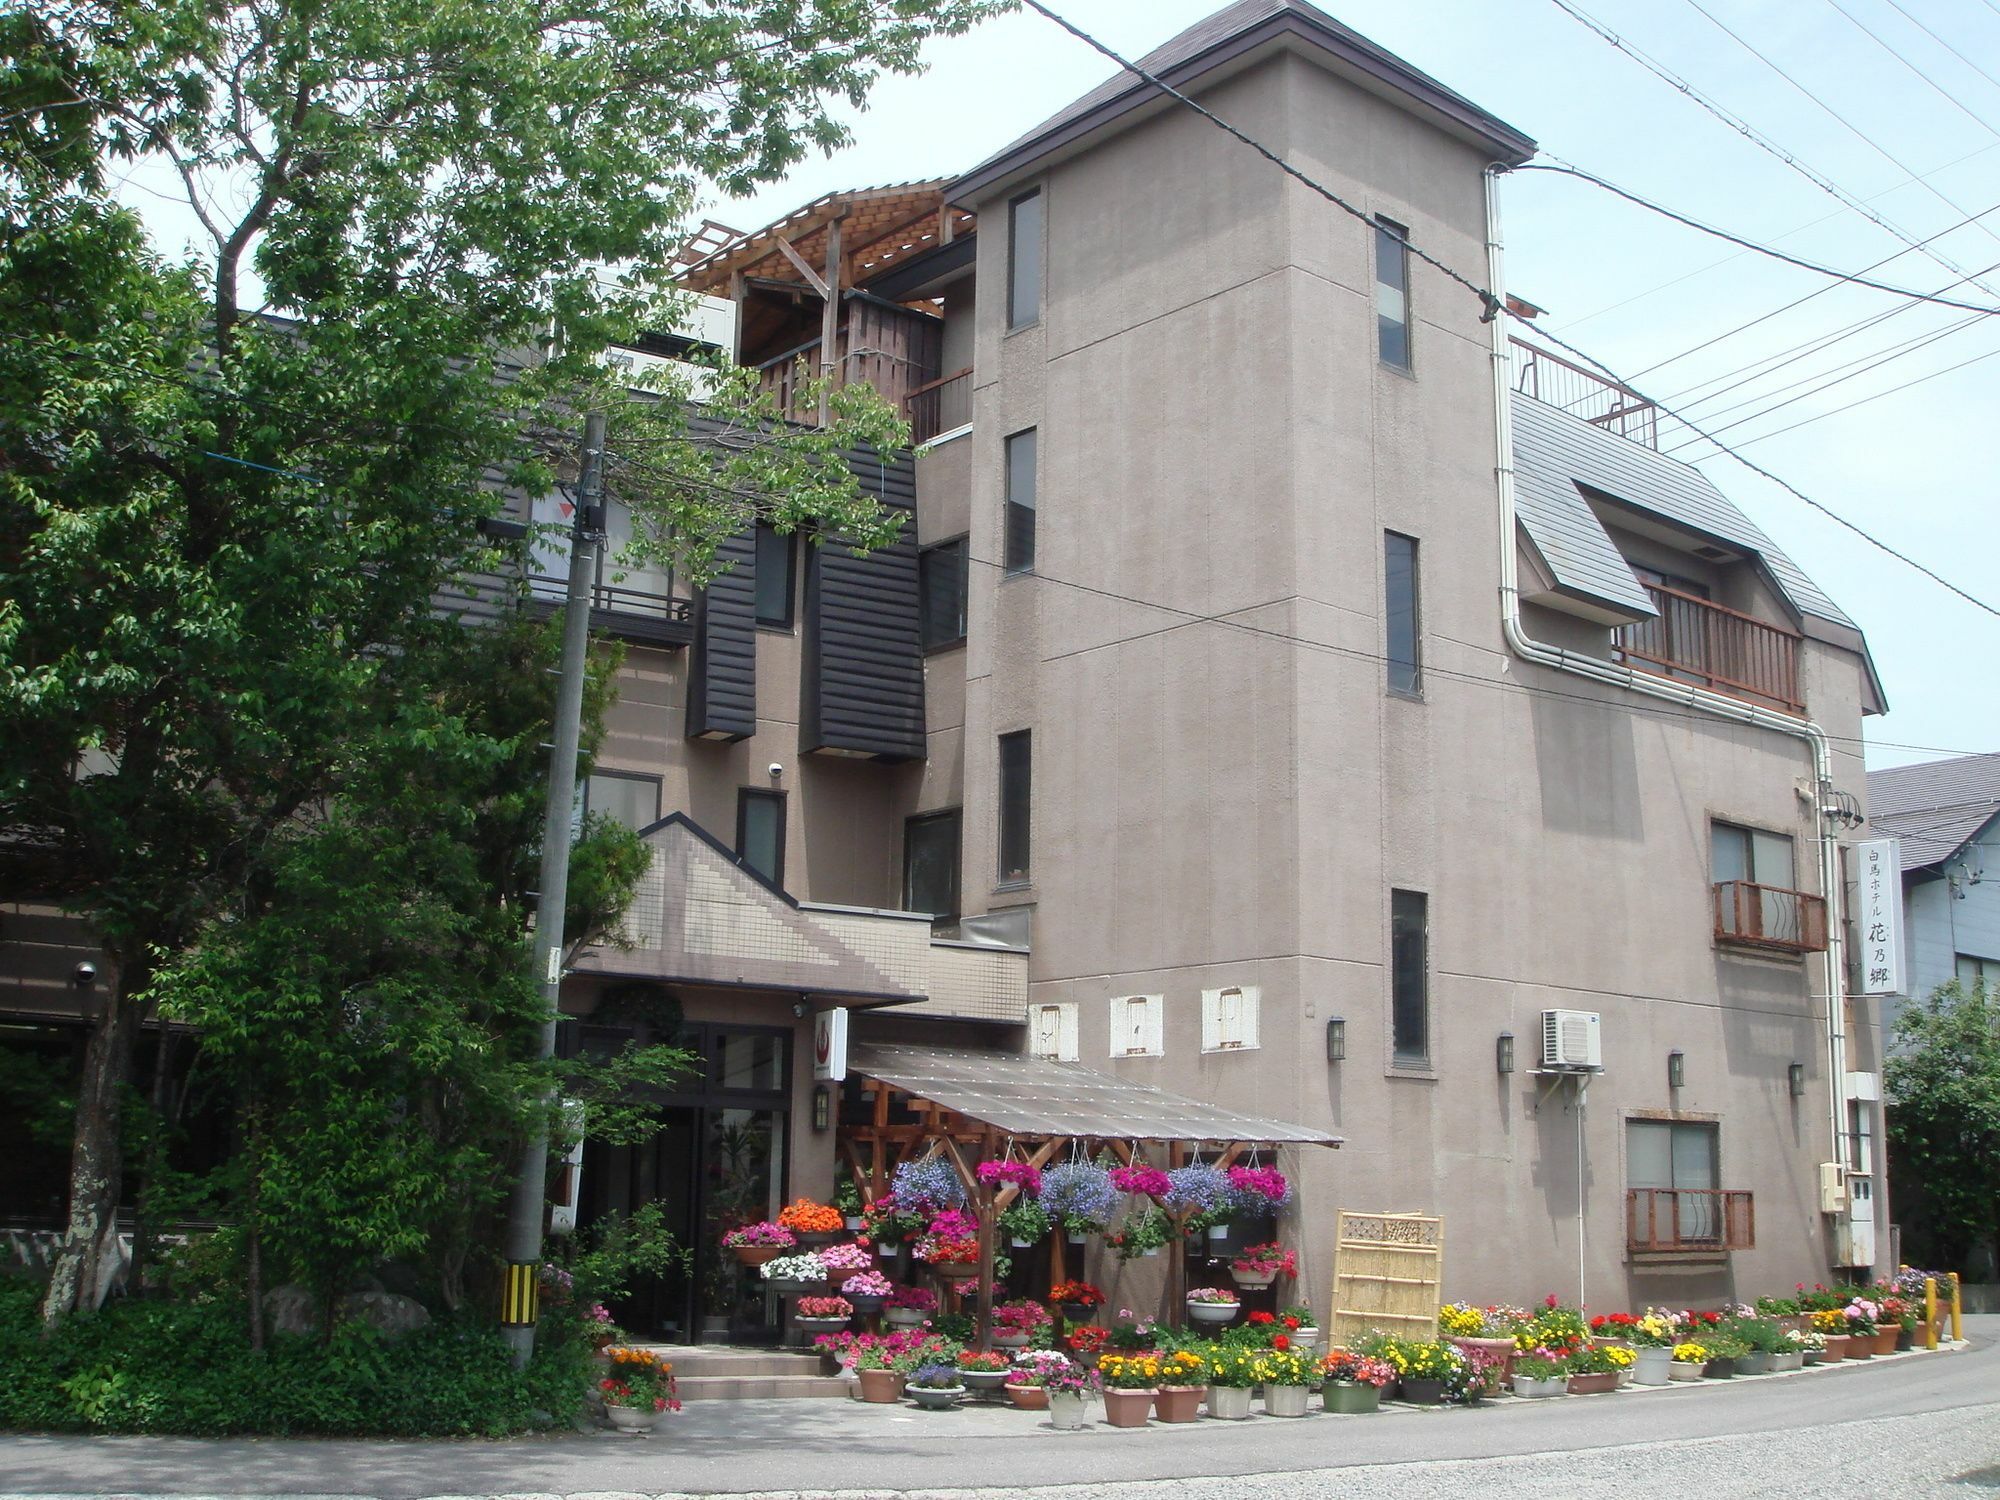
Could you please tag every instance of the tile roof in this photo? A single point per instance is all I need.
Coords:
(1933, 808)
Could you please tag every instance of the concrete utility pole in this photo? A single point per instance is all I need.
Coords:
(520, 1303)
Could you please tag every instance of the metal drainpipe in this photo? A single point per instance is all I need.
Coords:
(1563, 660)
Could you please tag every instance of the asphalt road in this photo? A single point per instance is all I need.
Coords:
(1925, 1425)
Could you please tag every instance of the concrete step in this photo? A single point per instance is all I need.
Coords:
(760, 1387)
(711, 1360)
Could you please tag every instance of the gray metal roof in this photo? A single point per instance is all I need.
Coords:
(1034, 1096)
(1933, 808)
(1216, 39)
(1555, 452)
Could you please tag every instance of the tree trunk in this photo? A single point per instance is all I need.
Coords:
(253, 1238)
(97, 1162)
(143, 1226)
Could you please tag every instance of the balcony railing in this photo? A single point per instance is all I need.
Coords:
(1769, 916)
(1554, 381)
(939, 405)
(637, 615)
(1665, 1220)
(1693, 640)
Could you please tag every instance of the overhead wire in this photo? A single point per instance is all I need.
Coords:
(1942, 42)
(1865, 400)
(1929, 82)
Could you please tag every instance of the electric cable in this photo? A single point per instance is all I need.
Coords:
(1929, 82)
(1942, 42)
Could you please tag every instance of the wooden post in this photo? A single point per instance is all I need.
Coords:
(829, 323)
(988, 1232)
(1177, 1266)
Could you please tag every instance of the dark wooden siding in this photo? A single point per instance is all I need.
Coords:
(863, 687)
(722, 672)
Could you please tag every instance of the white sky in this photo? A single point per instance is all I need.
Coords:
(1640, 292)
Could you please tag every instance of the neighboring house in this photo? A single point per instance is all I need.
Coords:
(1290, 693)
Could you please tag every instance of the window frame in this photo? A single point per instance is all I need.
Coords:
(956, 817)
(960, 546)
(598, 774)
(1389, 230)
(1984, 971)
(1750, 833)
(1249, 1019)
(1068, 1042)
(790, 542)
(1014, 877)
(1118, 1017)
(1015, 280)
(1401, 1058)
(1011, 565)
(745, 797)
(1391, 663)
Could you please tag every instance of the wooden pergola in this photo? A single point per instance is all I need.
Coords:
(1035, 1112)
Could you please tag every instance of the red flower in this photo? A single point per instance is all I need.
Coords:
(1261, 1318)
(1550, 1300)
(1291, 1322)
(1281, 1341)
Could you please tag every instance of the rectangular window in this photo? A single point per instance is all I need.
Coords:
(1138, 1025)
(1018, 551)
(1409, 978)
(1405, 641)
(1024, 260)
(1755, 880)
(1678, 1162)
(1392, 294)
(1016, 795)
(1972, 970)
(633, 801)
(1750, 854)
(776, 564)
(941, 585)
(930, 863)
(1052, 1032)
(760, 833)
(1229, 1019)
(1860, 1137)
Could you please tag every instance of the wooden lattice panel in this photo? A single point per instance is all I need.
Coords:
(1386, 1275)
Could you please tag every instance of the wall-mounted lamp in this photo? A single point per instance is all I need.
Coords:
(1336, 1038)
(1676, 1069)
(1795, 1080)
(1503, 1052)
(822, 1107)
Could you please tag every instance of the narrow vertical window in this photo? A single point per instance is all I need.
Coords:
(1018, 552)
(760, 833)
(1024, 260)
(776, 557)
(1392, 294)
(930, 863)
(941, 588)
(1409, 977)
(1405, 641)
(1016, 791)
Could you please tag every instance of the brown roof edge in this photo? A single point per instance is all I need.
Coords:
(1204, 47)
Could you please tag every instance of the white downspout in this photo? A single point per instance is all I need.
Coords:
(1686, 694)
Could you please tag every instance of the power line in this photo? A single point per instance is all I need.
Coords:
(1877, 396)
(1945, 44)
(1929, 82)
(1555, 164)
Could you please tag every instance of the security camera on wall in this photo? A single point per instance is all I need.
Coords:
(776, 770)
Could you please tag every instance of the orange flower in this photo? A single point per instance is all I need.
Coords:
(813, 1218)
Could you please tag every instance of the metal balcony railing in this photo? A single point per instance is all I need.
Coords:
(1694, 640)
(1769, 916)
(1555, 381)
(1663, 1220)
(637, 615)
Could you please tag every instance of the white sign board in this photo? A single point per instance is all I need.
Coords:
(830, 1046)
(1878, 917)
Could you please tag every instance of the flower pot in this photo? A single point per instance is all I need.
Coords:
(1756, 1362)
(1421, 1392)
(1286, 1400)
(1177, 1403)
(853, 1223)
(1793, 1323)
(1534, 1390)
(809, 1238)
(1861, 1346)
(1230, 1402)
(789, 1288)
(1906, 1338)
(888, 1252)
(1684, 1370)
(1307, 1337)
(1074, 1312)
(1214, 1312)
(1252, 1279)
(1791, 1359)
(1720, 1369)
(1652, 1366)
(1493, 1357)
(756, 1255)
(863, 1304)
(882, 1387)
(1836, 1349)
(1020, 1244)
(932, 1399)
(1028, 1397)
(1128, 1408)
(904, 1317)
(1351, 1397)
(1596, 1384)
(1008, 1338)
(821, 1325)
(953, 1269)
(1808, 1357)
(1885, 1338)
(1077, 1237)
(632, 1418)
(1218, 1231)
(1065, 1412)
(983, 1380)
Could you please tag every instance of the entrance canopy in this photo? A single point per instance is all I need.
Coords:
(1034, 1097)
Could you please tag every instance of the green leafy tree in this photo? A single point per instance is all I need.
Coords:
(1943, 1079)
(222, 533)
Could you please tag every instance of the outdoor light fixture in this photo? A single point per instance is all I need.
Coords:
(1503, 1052)
(1336, 1038)
(1795, 1079)
(1676, 1069)
(822, 1107)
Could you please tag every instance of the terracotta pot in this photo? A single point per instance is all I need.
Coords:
(1861, 1346)
(1128, 1408)
(1229, 1402)
(883, 1387)
(1178, 1403)
(756, 1255)
(1794, 1323)
(1028, 1397)
(1885, 1338)
(1836, 1349)
(1593, 1385)
(1497, 1376)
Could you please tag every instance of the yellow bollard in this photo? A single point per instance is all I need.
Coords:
(1957, 1311)
(1930, 1312)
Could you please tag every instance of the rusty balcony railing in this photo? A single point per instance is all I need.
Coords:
(939, 405)
(1769, 916)
(1693, 640)
(1555, 381)
(1664, 1220)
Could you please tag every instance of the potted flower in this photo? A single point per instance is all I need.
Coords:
(1425, 1368)
(1595, 1369)
(1690, 1361)
(1830, 1323)
(874, 1362)
(907, 1306)
(867, 1290)
(1724, 1349)
(1181, 1378)
(888, 1223)
(1231, 1374)
(639, 1389)
(1861, 1315)
(1027, 1387)
(1025, 1222)
(847, 1198)
(1130, 1382)
(804, 1272)
(824, 1314)
(929, 1186)
(1811, 1346)
(1261, 1265)
(1143, 1233)
(1132, 1335)
(1080, 1194)
(1067, 1388)
(754, 1244)
(1258, 1192)
(1653, 1347)
(1890, 1333)
(600, 1329)
(1766, 1342)
(1076, 1299)
(1211, 1304)
(1486, 1334)
(1020, 1174)
(934, 1387)
(1298, 1320)
(1015, 1324)
(1536, 1376)
(811, 1223)
(1353, 1382)
(1288, 1377)
(845, 1259)
(952, 1240)
(1201, 1190)
(984, 1370)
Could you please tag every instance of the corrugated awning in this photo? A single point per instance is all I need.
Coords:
(1032, 1096)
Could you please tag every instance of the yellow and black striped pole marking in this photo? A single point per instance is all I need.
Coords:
(521, 1295)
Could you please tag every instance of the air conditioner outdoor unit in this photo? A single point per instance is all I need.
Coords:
(1570, 1041)
(1832, 1188)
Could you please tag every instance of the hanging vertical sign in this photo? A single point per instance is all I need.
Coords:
(830, 1045)
(1878, 917)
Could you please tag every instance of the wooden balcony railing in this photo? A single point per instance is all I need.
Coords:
(939, 405)
(1692, 640)
(1689, 1219)
(1769, 916)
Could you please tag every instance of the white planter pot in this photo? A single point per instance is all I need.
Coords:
(1286, 1400)
(1003, 1338)
(1065, 1412)
(1021, 1244)
(903, 1317)
(853, 1223)
(934, 1400)
(632, 1418)
(1555, 1385)
(1214, 1312)
(1652, 1366)
(888, 1252)
(1795, 1360)
(1253, 1278)
(1681, 1370)
(1230, 1402)
(1218, 1231)
(1076, 1238)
